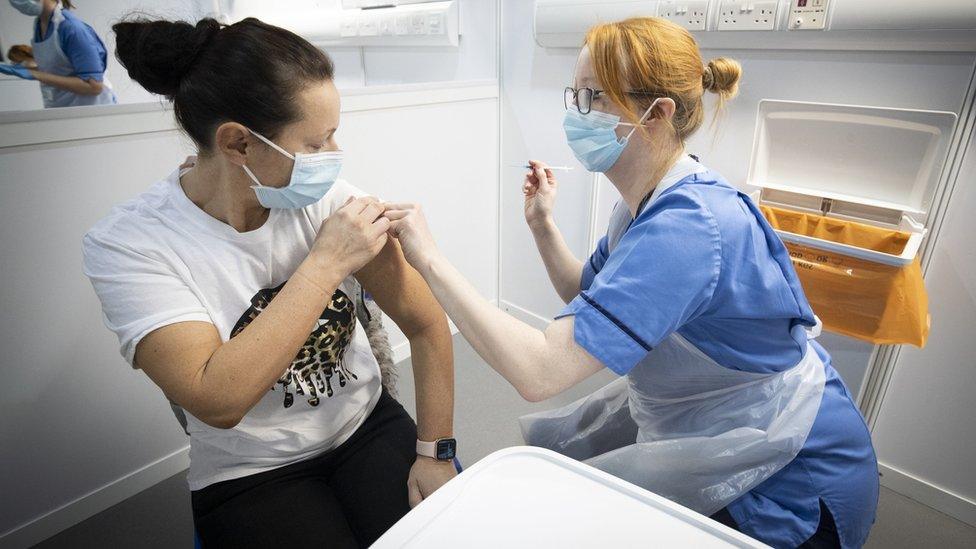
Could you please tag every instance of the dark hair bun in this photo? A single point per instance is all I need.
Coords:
(158, 54)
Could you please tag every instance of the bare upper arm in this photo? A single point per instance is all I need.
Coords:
(565, 362)
(400, 291)
(175, 356)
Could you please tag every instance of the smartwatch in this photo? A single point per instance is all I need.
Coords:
(444, 449)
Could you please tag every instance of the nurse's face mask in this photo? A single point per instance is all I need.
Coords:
(30, 8)
(592, 134)
(311, 177)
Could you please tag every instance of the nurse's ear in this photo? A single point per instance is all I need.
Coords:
(663, 110)
(231, 142)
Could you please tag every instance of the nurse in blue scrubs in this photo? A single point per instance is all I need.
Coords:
(71, 58)
(725, 403)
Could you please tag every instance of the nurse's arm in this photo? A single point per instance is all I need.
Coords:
(564, 269)
(404, 296)
(539, 364)
(73, 84)
(219, 382)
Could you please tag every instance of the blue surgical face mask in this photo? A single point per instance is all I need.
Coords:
(30, 8)
(593, 137)
(311, 177)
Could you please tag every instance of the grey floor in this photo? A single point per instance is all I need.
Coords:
(487, 409)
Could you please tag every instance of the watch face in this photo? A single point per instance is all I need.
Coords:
(446, 448)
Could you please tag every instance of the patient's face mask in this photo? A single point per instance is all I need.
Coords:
(593, 137)
(311, 177)
(30, 8)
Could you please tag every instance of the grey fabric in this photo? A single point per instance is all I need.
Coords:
(371, 317)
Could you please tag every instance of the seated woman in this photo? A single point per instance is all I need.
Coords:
(230, 284)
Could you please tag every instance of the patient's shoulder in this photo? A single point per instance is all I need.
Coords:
(337, 196)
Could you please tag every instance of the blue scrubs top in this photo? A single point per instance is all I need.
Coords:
(80, 43)
(701, 260)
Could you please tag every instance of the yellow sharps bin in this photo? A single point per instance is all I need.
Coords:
(849, 190)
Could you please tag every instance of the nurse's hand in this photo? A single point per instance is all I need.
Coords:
(19, 71)
(539, 189)
(350, 238)
(409, 226)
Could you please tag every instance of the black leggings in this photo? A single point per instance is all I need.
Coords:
(825, 537)
(344, 498)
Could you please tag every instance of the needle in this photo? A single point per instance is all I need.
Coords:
(527, 167)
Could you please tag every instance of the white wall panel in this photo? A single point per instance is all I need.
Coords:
(925, 429)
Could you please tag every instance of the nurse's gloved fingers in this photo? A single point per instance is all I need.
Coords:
(395, 228)
(537, 165)
(394, 215)
(401, 206)
(542, 175)
(379, 227)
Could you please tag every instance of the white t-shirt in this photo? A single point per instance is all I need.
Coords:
(159, 259)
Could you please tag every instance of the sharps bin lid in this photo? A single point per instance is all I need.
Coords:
(877, 158)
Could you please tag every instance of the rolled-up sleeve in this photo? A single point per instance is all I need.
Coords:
(83, 48)
(661, 275)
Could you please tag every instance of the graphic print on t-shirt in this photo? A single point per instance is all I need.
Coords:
(321, 357)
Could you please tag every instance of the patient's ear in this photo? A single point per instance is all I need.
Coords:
(231, 141)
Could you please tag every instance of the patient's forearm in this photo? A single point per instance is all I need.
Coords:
(432, 355)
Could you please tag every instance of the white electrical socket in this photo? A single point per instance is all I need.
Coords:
(808, 14)
(744, 15)
(690, 15)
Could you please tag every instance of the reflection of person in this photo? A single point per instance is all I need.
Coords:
(70, 57)
(23, 55)
(733, 410)
(230, 285)
(23, 61)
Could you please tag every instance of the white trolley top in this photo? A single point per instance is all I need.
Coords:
(531, 497)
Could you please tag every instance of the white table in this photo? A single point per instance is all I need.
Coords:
(530, 497)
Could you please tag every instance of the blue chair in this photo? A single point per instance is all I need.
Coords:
(196, 538)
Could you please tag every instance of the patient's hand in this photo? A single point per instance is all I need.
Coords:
(426, 476)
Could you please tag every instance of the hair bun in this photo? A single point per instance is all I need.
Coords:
(721, 76)
(158, 54)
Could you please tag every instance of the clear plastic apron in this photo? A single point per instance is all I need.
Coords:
(50, 58)
(685, 427)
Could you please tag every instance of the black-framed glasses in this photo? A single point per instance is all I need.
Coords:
(583, 98)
